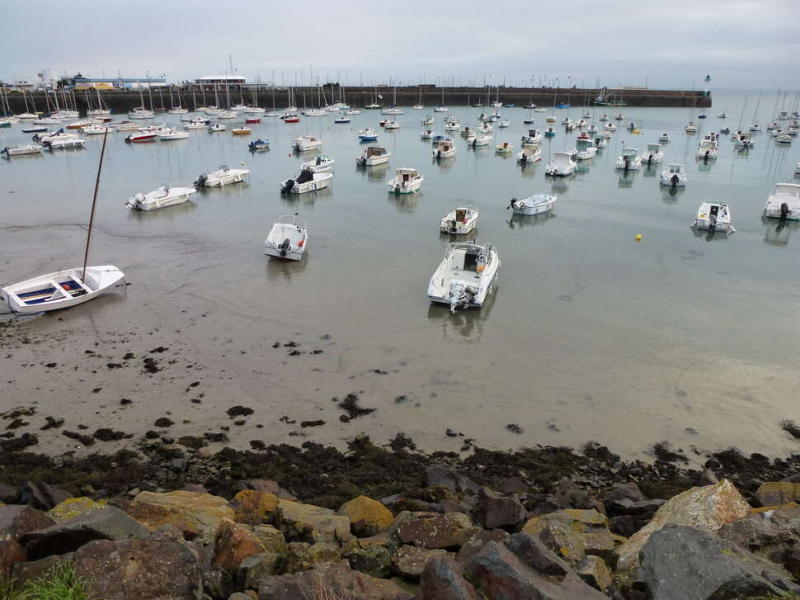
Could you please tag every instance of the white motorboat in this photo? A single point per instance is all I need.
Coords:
(65, 140)
(217, 128)
(126, 126)
(664, 138)
(530, 154)
(674, 176)
(504, 148)
(485, 128)
(96, 130)
(341, 120)
(585, 148)
(561, 165)
(603, 118)
(10, 151)
(446, 149)
(287, 239)
(367, 135)
(464, 278)
(441, 109)
(592, 130)
(26, 116)
(194, 125)
(653, 155)
(533, 205)
(467, 131)
(784, 201)
(427, 134)
(629, 160)
(172, 134)
(783, 139)
(742, 139)
(141, 113)
(407, 180)
(391, 125)
(306, 143)
(306, 182)
(504, 124)
(773, 125)
(254, 110)
(723, 115)
(713, 216)
(227, 114)
(352, 111)
(449, 126)
(392, 110)
(315, 112)
(691, 127)
(619, 117)
(600, 142)
(532, 138)
(161, 198)
(178, 110)
(320, 163)
(221, 177)
(428, 120)
(475, 141)
(460, 221)
(372, 156)
(708, 148)
(417, 107)
(610, 127)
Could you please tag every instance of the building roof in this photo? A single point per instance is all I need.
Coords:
(218, 77)
(120, 80)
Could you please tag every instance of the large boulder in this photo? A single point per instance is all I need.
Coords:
(35, 569)
(302, 556)
(107, 524)
(430, 530)
(308, 523)
(685, 563)
(473, 545)
(772, 534)
(151, 569)
(495, 510)
(271, 538)
(332, 581)
(11, 553)
(573, 533)
(375, 561)
(443, 579)
(72, 507)
(197, 515)
(232, 544)
(708, 508)
(593, 571)
(255, 568)
(536, 555)
(368, 517)
(775, 493)
(255, 506)
(410, 561)
(628, 499)
(17, 520)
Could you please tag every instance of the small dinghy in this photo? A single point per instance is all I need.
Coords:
(713, 216)
(161, 198)
(465, 275)
(223, 176)
(653, 155)
(504, 148)
(372, 156)
(258, 145)
(529, 155)
(319, 164)
(406, 180)
(305, 143)
(28, 149)
(674, 176)
(241, 131)
(460, 221)
(784, 201)
(287, 239)
(446, 149)
(217, 128)
(367, 135)
(533, 205)
(561, 165)
(306, 182)
(629, 160)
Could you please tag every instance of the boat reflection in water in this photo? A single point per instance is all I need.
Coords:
(671, 194)
(777, 233)
(518, 221)
(405, 203)
(284, 270)
(464, 326)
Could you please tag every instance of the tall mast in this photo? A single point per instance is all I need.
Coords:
(94, 204)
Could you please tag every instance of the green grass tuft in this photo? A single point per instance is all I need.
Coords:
(60, 583)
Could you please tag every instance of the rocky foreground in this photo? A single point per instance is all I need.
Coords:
(393, 524)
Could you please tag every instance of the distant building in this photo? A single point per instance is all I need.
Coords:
(106, 83)
(232, 82)
(47, 79)
(22, 85)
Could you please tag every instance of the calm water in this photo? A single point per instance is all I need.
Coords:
(590, 335)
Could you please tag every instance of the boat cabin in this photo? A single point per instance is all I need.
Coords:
(467, 257)
(675, 169)
(375, 151)
(630, 153)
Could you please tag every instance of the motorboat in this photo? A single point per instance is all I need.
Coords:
(742, 139)
(24, 150)
(784, 139)
(306, 182)
(653, 155)
(221, 177)
(504, 148)
(784, 201)
(674, 176)
(342, 119)
(702, 115)
(126, 126)
(287, 239)
(161, 198)
(561, 165)
(320, 163)
(603, 118)
(664, 138)
(171, 134)
(79, 125)
(417, 107)
(619, 117)
(257, 145)
(97, 130)
(217, 128)
(592, 130)
(629, 160)
(609, 127)
(252, 120)
(63, 141)
(533, 205)
(600, 142)
(254, 110)
(529, 155)
(194, 125)
(723, 115)
(445, 149)
(48, 121)
(713, 216)
(708, 148)
(428, 120)
(391, 125)
(533, 137)
(571, 126)
(440, 138)
(550, 119)
(367, 135)
(406, 180)
(227, 114)
(241, 131)
(460, 221)
(485, 128)
(773, 125)
(585, 148)
(450, 126)
(305, 143)
(141, 114)
(427, 134)
(441, 109)
(352, 111)
(290, 118)
(566, 121)
(725, 129)
(35, 129)
(464, 277)
(549, 132)
(504, 124)
(475, 141)
(691, 127)
(392, 110)
(372, 156)
(141, 137)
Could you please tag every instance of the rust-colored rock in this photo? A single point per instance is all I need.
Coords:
(232, 544)
(197, 515)
(368, 517)
(435, 531)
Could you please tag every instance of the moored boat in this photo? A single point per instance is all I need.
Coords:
(221, 177)
(373, 156)
(161, 198)
(784, 201)
(407, 180)
(712, 216)
(288, 238)
(533, 205)
(306, 182)
(674, 176)
(460, 221)
(464, 277)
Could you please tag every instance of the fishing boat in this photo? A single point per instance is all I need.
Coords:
(529, 155)
(241, 131)
(257, 145)
(475, 141)
(306, 182)
(664, 138)
(784, 201)
(504, 148)
(460, 221)
(367, 135)
(166, 135)
(217, 128)
(161, 198)
(533, 205)
(653, 155)
(561, 165)
(287, 239)
(445, 149)
(674, 176)
(373, 156)
(464, 277)
(305, 143)
(708, 148)
(221, 177)
(97, 130)
(407, 180)
(427, 134)
(319, 164)
(67, 288)
(629, 160)
(713, 216)
(23, 150)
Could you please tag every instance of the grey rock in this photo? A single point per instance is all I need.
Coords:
(450, 478)
(708, 477)
(239, 596)
(17, 520)
(474, 544)
(536, 555)
(409, 561)
(254, 568)
(217, 583)
(41, 495)
(494, 510)
(443, 579)
(375, 561)
(27, 571)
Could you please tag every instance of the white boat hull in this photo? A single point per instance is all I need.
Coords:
(160, 198)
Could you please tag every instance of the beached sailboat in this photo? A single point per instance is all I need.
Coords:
(287, 239)
(464, 277)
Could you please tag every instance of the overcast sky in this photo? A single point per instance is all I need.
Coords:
(744, 44)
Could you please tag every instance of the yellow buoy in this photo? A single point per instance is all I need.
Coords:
(638, 237)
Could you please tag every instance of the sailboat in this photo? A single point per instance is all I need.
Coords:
(393, 110)
(70, 287)
(755, 126)
(419, 105)
(441, 107)
(176, 110)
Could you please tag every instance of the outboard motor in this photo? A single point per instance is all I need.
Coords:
(706, 155)
(675, 180)
(284, 247)
(201, 180)
(288, 186)
(627, 164)
(512, 204)
(397, 188)
(712, 223)
(650, 159)
(784, 211)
